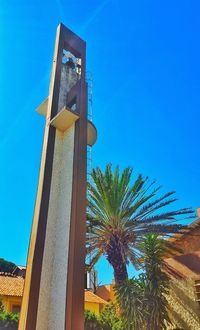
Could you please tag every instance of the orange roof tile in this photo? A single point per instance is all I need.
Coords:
(93, 298)
(11, 285)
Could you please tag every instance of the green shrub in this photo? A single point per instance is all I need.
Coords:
(92, 321)
(2, 317)
(9, 320)
(2, 310)
(109, 318)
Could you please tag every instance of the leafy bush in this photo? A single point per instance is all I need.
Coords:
(1, 306)
(92, 321)
(107, 320)
(109, 317)
(9, 320)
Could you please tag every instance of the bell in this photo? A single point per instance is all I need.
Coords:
(70, 63)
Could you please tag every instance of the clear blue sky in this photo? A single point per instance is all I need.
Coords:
(144, 57)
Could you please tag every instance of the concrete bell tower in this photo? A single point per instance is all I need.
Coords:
(54, 284)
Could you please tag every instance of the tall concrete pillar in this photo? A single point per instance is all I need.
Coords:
(54, 284)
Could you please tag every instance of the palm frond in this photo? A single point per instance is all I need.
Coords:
(121, 211)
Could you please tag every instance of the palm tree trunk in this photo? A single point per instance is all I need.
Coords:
(116, 259)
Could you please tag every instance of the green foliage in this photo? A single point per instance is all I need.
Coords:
(107, 320)
(130, 295)
(109, 317)
(92, 321)
(6, 266)
(9, 320)
(153, 250)
(142, 300)
(121, 211)
(118, 325)
(1, 306)
(7, 316)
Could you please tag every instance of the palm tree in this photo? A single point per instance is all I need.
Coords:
(120, 212)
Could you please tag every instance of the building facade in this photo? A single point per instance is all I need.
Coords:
(11, 292)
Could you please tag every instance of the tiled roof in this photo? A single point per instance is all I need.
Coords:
(11, 285)
(93, 298)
